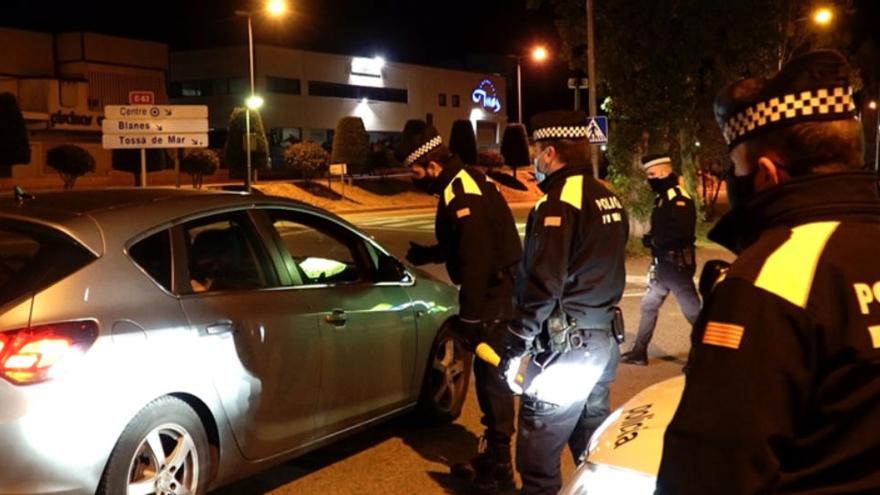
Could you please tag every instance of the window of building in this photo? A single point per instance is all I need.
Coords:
(283, 85)
(456, 101)
(201, 87)
(239, 86)
(442, 99)
(338, 90)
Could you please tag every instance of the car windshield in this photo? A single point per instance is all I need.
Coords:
(33, 257)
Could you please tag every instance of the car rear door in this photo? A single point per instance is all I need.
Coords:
(266, 359)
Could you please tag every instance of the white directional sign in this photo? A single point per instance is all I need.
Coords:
(135, 126)
(137, 141)
(155, 112)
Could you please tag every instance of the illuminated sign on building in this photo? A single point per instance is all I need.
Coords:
(487, 96)
(372, 67)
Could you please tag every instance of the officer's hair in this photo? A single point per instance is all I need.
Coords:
(570, 151)
(812, 147)
(440, 154)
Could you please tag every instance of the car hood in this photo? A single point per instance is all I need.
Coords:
(632, 437)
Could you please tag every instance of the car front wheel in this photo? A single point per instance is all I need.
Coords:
(163, 451)
(446, 380)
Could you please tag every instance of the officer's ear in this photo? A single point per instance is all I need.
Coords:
(434, 169)
(769, 174)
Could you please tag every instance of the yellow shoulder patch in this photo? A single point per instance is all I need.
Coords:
(468, 183)
(790, 270)
(723, 334)
(573, 191)
(540, 202)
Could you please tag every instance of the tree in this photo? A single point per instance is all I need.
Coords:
(15, 146)
(463, 142)
(515, 147)
(308, 158)
(234, 152)
(130, 161)
(351, 143)
(71, 162)
(198, 163)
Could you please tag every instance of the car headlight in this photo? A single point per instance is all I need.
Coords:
(601, 479)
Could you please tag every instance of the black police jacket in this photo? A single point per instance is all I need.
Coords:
(783, 390)
(574, 254)
(673, 221)
(479, 243)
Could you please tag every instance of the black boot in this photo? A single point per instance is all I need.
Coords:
(491, 471)
(635, 356)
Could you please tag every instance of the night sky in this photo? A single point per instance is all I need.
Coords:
(416, 31)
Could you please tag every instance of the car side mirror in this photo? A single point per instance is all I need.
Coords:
(392, 270)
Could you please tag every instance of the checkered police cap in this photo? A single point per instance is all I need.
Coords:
(559, 124)
(812, 87)
(417, 140)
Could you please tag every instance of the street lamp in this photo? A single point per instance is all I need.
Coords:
(823, 16)
(273, 8)
(538, 54)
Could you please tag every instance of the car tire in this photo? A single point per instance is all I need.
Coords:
(171, 425)
(446, 381)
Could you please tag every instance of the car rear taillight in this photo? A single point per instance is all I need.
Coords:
(39, 353)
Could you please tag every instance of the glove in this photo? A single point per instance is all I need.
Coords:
(513, 349)
(419, 255)
(467, 333)
(647, 240)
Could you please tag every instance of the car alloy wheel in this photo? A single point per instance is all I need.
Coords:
(165, 463)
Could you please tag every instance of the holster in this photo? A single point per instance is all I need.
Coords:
(682, 259)
(618, 330)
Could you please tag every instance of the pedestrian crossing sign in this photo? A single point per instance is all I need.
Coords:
(597, 130)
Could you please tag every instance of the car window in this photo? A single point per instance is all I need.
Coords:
(225, 253)
(320, 252)
(33, 257)
(153, 255)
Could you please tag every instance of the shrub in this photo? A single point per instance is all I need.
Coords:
(71, 162)
(308, 158)
(198, 163)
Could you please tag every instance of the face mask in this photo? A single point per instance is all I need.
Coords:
(740, 189)
(540, 176)
(660, 186)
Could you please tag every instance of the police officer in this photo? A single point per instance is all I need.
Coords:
(480, 245)
(570, 279)
(671, 240)
(782, 394)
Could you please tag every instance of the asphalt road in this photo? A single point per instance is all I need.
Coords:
(404, 457)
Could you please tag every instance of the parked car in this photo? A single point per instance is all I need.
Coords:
(624, 452)
(166, 341)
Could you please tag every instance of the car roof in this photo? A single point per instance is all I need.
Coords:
(90, 216)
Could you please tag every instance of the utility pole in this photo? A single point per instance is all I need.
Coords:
(593, 79)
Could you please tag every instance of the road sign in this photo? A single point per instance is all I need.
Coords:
(338, 169)
(578, 83)
(136, 141)
(155, 112)
(141, 97)
(135, 126)
(597, 130)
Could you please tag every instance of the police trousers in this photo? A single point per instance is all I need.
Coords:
(666, 279)
(563, 404)
(496, 401)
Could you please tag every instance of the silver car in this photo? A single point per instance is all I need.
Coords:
(168, 342)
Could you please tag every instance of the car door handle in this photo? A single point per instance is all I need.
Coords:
(220, 327)
(337, 318)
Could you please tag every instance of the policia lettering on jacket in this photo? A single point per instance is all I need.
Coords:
(569, 282)
(479, 243)
(783, 388)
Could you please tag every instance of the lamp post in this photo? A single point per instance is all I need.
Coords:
(538, 54)
(593, 79)
(821, 17)
(873, 106)
(274, 8)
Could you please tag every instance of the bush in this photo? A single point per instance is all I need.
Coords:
(15, 146)
(308, 158)
(463, 142)
(71, 162)
(515, 147)
(198, 163)
(234, 154)
(490, 160)
(130, 161)
(351, 144)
